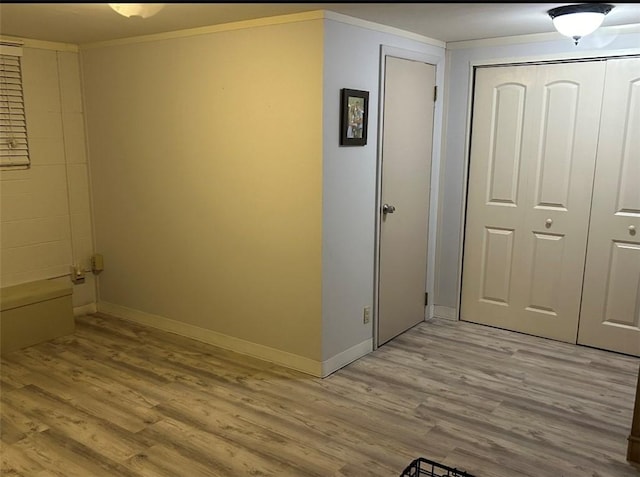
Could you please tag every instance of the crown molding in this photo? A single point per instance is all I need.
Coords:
(258, 22)
(267, 21)
(536, 37)
(338, 17)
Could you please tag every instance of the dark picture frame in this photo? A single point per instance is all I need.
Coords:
(354, 117)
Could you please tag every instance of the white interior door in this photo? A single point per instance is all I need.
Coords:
(533, 148)
(406, 177)
(610, 315)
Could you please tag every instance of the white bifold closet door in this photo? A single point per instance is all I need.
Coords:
(610, 315)
(533, 150)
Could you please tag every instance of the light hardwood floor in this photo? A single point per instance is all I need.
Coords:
(118, 399)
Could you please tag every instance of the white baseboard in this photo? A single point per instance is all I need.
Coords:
(85, 309)
(347, 356)
(283, 358)
(444, 312)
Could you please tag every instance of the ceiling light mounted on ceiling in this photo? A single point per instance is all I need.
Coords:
(142, 10)
(576, 21)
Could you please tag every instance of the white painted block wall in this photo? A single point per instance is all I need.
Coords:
(45, 213)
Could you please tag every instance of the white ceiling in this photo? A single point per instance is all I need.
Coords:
(90, 22)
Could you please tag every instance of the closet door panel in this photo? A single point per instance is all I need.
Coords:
(610, 313)
(559, 114)
(533, 144)
(495, 208)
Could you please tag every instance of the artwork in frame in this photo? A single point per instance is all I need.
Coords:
(354, 117)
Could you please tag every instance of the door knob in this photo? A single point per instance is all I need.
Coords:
(632, 229)
(388, 209)
(548, 223)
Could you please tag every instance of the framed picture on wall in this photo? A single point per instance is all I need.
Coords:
(354, 117)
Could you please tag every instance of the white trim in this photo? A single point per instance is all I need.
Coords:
(445, 312)
(345, 357)
(338, 17)
(283, 358)
(258, 22)
(412, 55)
(535, 38)
(40, 44)
(465, 183)
(555, 57)
(378, 199)
(85, 309)
(443, 153)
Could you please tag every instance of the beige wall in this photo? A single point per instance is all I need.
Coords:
(206, 166)
(45, 214)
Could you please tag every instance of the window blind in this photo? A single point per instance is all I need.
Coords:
(14, 146)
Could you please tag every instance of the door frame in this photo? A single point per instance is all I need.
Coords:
(437, 62)
(515, 61)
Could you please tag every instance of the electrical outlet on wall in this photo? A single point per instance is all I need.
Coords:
(77, 274)
(97, 263)
(366, 314)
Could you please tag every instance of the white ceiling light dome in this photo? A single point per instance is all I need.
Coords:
(142, 10)
(576, 21)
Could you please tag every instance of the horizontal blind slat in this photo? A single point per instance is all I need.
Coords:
(11, 130)
(13, 118)
(19, 141)
(17, 117)
(11, 105)
(14, 161)
(14, 152)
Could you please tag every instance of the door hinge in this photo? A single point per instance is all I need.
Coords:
(435, 93)
(426, 299)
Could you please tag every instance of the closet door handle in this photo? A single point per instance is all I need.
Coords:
(548, 223)
(632, 229)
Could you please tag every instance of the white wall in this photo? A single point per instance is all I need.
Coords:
(453, 186)
(45, 218)
(352, 60)
(206, 165)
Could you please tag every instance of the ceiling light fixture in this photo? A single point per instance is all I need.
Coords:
(142, 10)
(576, 21)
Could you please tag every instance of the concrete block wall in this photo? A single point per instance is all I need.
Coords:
(45, 213)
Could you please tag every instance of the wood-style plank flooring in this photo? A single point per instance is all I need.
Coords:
(118, 399)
